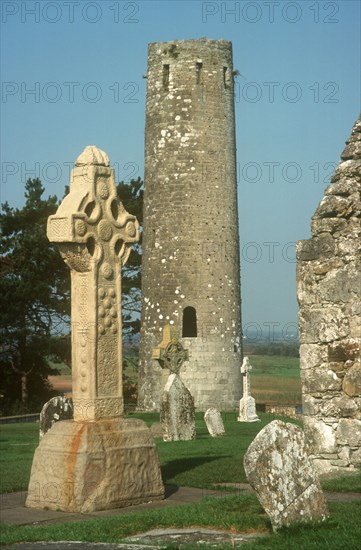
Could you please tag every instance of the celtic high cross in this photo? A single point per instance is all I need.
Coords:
(94, 233)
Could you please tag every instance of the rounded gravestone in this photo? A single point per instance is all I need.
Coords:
(214, 422)
(279, 469)
(57, 408)
(177, 414)
(156, 429)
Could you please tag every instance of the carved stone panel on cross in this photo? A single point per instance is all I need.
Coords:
(94, 233)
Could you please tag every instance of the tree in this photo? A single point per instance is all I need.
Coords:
(34, 290)
(131, 196)
(35, 296)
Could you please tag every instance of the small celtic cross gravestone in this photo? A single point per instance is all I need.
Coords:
(177, 413)
(170, 354)
(247, 405)
(246, 373)
(93, 232)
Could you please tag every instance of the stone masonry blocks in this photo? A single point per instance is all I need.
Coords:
(329, 296)
(190, 239)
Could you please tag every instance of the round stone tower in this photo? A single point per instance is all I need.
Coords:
(191, 269)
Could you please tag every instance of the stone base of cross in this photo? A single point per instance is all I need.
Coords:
(86, 466)
(247, 410)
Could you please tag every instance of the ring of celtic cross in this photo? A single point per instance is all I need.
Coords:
(174, 356)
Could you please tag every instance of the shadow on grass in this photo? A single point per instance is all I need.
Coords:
(180, 465)
(169, 490)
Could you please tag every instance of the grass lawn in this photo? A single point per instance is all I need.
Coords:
(17, 445)
(242, 514)
(209, 460)
(276, 365)
(197, 463)
(275, 379)
(200, 463)
(207, 463)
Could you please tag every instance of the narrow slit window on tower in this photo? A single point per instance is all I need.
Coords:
(166, 77)
(226, 77)
(199, 66)
(189, 327)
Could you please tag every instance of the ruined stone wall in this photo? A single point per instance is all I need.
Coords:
(329, 295)
(191, 243)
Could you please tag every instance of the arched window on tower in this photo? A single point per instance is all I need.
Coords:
(189, 327)
(227, 77)
(166, 78)
(199, 67)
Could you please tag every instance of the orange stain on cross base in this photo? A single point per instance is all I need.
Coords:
(72, 457)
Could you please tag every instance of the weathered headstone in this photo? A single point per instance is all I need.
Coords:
(98, 460)
(57, 408)
(177, 412)
(214, 422)
(156, 429)
(278, 467)
(247, 405)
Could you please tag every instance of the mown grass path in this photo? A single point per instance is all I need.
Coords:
(203, 463)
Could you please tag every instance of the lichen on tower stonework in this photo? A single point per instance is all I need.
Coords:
(190, 269)
(329, 296)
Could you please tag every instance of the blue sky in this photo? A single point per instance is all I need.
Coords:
(296, 101)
